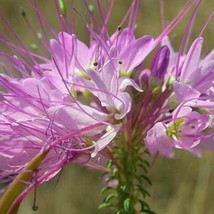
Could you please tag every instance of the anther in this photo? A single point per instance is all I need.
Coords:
(39, 35)
(171, 110)
(192, 126)
(35, 208)
(95, 64)
(34, 47)
(62, 7)
(22, 12)
(91, 8)
(119, 28)
(120, 62)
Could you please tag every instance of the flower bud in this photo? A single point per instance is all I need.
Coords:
(160, 63)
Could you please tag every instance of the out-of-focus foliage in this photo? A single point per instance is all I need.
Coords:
(181, 185)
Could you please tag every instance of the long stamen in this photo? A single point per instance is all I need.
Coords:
(186, 36)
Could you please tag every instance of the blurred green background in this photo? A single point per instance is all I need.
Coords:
(183, 185)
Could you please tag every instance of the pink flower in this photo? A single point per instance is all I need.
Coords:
(89, 103)
(74, 102)
(188, 127)
(157, 141)
(185, 131)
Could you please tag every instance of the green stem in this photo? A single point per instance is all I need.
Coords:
(20, 183)
(125, 190)
(130, 194)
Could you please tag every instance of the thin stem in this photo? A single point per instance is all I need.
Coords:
(19, 184)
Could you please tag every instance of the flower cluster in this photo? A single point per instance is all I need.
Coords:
(190, 125)
(83, 101)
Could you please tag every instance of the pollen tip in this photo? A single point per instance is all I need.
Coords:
(35, 208)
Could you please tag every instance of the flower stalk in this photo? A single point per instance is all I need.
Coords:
(127, 185)
(20, 183)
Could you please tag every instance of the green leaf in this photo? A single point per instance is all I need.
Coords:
(109, 165)
(110, 178)
(115, 171)
(144, 205)
(145, 162)
(104, 173)
(148, 211)
(139, 179)
(104, 205)
(123, 188)
(143, 167)
(147, 179)
(143, 191)
(104, 189)
(109, 197)
(127, 204)
(142, 177)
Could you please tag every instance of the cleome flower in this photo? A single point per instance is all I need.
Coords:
(70, 104)
(97, 103)
(186, 130)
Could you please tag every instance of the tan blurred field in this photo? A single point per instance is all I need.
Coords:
(183, 185)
